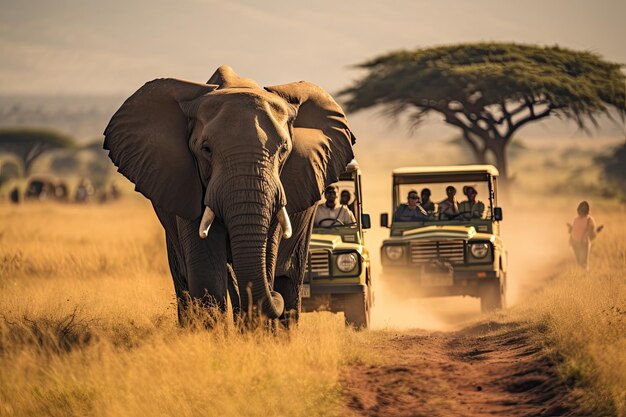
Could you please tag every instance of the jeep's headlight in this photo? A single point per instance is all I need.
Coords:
(394, 253)
(346, 262)
(479, 250)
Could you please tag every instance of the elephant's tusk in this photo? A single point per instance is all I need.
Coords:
(205, 223)
(283, 219)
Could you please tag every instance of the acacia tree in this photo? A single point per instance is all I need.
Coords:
(490, 90)
(29, 144)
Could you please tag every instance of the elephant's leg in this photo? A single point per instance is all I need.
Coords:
(291, 266)
(178, 275)
(205, 262)
(175, 259)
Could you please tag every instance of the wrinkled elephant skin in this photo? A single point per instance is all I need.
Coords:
(234, 172)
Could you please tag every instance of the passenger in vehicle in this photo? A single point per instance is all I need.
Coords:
(449, 208)
(346, 196)
(330, 213)
(412, 211)
(471, 208)
(427, 203)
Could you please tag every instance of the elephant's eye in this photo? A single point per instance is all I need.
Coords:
(284, 148)
(206, 148)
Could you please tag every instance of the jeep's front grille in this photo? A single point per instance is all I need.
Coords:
(318, 264)
(426, 251)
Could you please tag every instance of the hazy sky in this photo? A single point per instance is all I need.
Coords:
(114, 46)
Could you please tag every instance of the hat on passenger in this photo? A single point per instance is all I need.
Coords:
(332, 187)
(468, 188)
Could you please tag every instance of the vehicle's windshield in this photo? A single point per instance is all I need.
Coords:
(339, 206)
(442, 201)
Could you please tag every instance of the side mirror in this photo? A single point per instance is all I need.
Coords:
(365, 221)
(384, 220)
(497, 213)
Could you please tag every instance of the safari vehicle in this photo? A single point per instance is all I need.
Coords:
(338, 276)
(447, 255)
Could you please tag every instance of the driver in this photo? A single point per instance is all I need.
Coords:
(412, 211)
(472, 208)
(330, 213)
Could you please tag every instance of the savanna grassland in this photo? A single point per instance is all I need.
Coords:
(88, 328)
(580, 318)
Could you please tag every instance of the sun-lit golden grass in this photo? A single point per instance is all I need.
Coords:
(88, 324)
(176, 372)
(583, 315)
(88, 327)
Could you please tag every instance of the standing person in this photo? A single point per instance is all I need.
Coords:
(330, 213)
(449, 208)
(582, 231)
(412, 211)
(471, 208)
(427, 203)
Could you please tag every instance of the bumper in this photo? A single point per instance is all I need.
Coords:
(414, 283)
(330, 296)
(319, 289)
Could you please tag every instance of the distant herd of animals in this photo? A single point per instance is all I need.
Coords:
(52, 188)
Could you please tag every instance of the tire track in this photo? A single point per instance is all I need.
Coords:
(484, 370)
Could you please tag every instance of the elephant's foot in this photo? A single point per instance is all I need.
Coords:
(290, 318)
(286, 287)
(203, 312)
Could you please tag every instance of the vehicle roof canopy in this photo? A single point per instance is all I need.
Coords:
(450, 173)
(351, 169)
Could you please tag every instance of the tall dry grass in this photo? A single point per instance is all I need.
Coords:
(582, 317)
(88, 327)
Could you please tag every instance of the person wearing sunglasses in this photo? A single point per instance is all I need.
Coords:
(330, 213)
(412, 211)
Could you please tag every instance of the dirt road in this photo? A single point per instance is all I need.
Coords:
(485, 370)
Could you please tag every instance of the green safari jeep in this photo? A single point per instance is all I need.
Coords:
(452, 248)
(338, 276)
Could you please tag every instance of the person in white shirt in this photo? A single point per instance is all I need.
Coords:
(330, 213)
(472, 208)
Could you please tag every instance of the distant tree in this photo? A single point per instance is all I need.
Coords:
(65, 164)
(491, 90)
(29, 144)
(614, 167)
(100, 167)
(10, 167)
(96, 146)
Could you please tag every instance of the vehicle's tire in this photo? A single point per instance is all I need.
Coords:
(491, 297)
(357, 310)
(503, 303)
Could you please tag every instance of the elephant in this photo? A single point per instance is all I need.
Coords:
(234, 172)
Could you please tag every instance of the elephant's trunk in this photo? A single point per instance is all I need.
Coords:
(249, 213)
(249, 251)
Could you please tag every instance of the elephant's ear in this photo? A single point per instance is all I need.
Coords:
(147, 139)
(322, 144)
